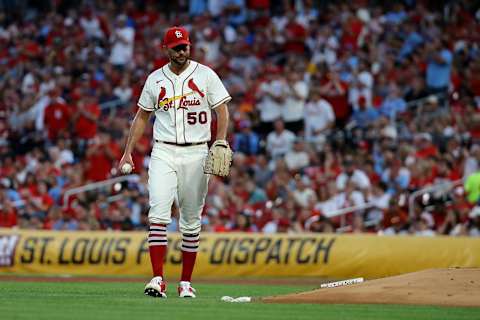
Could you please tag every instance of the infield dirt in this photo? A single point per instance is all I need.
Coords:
(439, 287)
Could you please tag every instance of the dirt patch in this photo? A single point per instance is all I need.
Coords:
(440, 287)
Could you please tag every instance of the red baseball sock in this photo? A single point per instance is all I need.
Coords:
(190, 244)
(157, 246)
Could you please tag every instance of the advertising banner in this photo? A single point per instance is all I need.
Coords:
(234, 254)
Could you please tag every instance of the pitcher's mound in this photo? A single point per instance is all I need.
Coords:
(440, 287)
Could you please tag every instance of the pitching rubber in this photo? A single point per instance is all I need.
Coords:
(341, 283)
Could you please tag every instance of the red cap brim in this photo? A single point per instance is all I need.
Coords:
(177, 43)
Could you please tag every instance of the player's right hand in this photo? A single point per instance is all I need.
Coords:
(126, 158)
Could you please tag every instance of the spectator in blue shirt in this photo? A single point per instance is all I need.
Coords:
(365, 115)
(397, 15)
(393, 104)
(66, 222)
(11, 194)
(246, 141)
(235, 11)
(197, 7)
(412, 40)
(439, 67)
(396, 177)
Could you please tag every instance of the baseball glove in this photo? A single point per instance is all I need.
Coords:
(219, 159)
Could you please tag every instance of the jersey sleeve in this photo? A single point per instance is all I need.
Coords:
(216, 93)
(146, 100)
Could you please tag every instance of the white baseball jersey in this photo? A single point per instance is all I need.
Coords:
(183, 103)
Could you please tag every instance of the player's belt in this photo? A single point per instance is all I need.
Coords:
(182, 144)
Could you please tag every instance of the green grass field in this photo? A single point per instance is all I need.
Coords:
(120, 300)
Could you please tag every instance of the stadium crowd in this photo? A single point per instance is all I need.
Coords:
(335, 105)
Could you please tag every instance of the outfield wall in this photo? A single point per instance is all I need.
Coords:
(234, 254)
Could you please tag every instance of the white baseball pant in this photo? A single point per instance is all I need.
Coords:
(177, 171)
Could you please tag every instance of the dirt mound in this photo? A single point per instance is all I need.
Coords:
(440, 287)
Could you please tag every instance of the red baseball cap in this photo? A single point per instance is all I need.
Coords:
(176, 36)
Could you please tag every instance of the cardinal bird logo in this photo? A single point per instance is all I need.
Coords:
(194, 87)
(161, 95)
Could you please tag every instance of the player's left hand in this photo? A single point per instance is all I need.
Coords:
(219, 159)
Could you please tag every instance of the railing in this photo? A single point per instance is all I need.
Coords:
(88, 187)
(440, 96)
(410, 104)
(111, 104)
(440, 187)
(15, 204)
(444, 187)
(98, 185)
(340, 212)
(343, 211)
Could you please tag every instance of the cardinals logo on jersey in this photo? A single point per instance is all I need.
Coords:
(167, 103)
(194, 88)
(161, 95)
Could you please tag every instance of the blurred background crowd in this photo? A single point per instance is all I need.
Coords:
(343, 112)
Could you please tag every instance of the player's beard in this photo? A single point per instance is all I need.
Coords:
(180, 61)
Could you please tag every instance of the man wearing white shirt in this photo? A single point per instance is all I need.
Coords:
(123, 91)
(123, 40)
(349, 197)
(271, 99)
(296, 95)
(360, 88)
(297, 158)
(182, 95)
(90, 23)
(303, 193)
(280, 141)
(319, 118)
(351, 174)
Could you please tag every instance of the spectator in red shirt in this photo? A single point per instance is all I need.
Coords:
(335, 92)
(57, 118)
(219, 222)
(425, 147)
(44, 199)
(8, 215)
(351, 31)
(101, 156)
(86, 118)
(295, 37)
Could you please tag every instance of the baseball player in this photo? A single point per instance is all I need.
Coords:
(182, 95)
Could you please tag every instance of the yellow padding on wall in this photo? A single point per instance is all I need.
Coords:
(234, 254)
